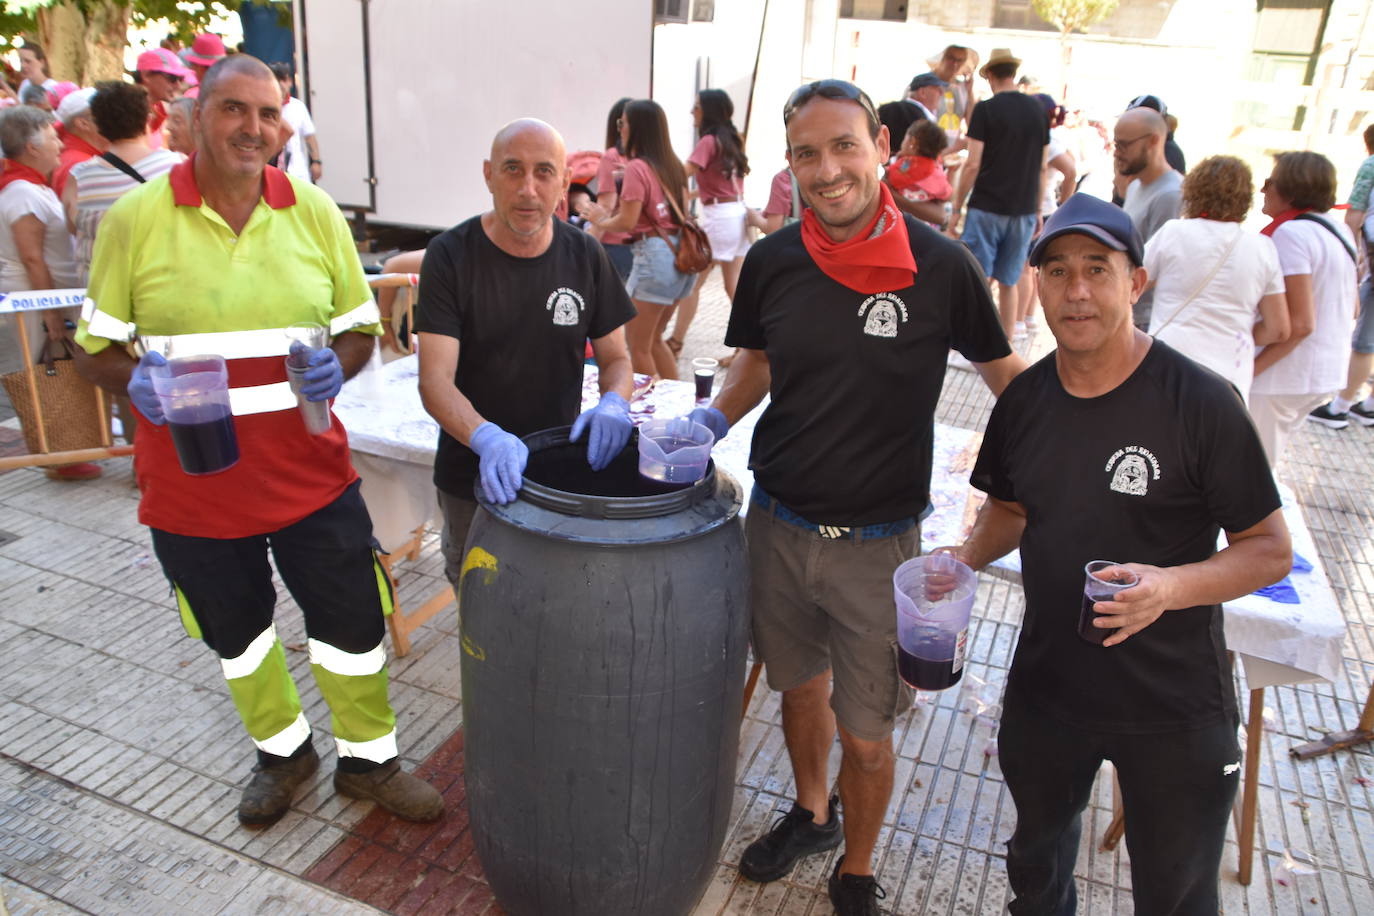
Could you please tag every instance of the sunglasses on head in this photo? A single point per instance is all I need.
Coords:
(829, 89)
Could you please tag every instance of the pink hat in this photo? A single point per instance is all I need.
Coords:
(207, 50)
(160, 60)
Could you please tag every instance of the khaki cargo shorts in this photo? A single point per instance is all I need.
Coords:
(820, 603)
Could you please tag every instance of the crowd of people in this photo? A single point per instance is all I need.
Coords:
(71, 152)
(898, 239)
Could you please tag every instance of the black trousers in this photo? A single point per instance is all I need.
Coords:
(1177, 790)
(326, 561)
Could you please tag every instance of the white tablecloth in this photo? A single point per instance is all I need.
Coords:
(393, 442)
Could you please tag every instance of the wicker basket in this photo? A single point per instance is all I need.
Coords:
(73, 413)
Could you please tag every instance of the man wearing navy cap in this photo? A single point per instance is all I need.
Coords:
(922, 98)
(1117, 447)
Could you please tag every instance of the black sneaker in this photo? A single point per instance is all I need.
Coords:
(1329, 418)
(854, 895)
(793, 835)
(1362, 416)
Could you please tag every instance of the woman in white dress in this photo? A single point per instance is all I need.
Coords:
(1219, 292)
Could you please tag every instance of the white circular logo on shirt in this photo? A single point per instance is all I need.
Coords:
(881, 314)
(565, 304)
(1132, 468)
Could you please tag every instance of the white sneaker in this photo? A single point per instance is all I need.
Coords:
(956, 360)
(1019, 331)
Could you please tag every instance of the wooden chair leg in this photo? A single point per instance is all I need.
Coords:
(1363, 733)
(1117, 828)
(750, 685)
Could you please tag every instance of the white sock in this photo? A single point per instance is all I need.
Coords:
(1340, 405)
(1368, 403)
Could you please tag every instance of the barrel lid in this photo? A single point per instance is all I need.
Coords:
(557, 478)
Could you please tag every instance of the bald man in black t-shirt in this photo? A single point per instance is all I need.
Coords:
(519, 292)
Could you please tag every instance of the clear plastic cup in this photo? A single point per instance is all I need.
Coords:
(704, 374)
(674, 451)
(1101, 583)
(194, 392)
(934, 596)
(305, 339)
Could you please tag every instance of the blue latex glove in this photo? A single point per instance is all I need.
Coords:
(503, 461)
(712, 419)
(1282, 591)
(141, 391)
(325, 376)
(610, 424)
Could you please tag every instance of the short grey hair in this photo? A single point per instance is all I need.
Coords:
(32, 94)
(184, 105)
(20, 126)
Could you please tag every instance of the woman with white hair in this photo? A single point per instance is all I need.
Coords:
(35, 247)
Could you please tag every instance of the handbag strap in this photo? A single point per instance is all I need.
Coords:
(123, 166)
(1216, 268)
(677, 211)
(1313, 218)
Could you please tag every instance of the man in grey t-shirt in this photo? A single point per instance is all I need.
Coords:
(1155, 195)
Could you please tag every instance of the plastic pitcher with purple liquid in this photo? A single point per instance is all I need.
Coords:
(194, 391)
(934, 595)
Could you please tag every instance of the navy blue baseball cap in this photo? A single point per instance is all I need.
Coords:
(922, 80)
(1096, 218)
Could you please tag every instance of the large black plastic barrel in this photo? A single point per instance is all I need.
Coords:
(604, 635)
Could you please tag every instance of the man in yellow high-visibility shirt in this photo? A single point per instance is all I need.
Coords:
(221, 256)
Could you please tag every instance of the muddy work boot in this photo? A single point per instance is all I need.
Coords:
(793, 836)
(268, 794)
(404, 795)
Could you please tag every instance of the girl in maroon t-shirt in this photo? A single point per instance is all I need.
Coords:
(655, 285)
(719, 165)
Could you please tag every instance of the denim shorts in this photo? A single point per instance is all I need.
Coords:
(999, 243)
(653, 278)
(1363, 341)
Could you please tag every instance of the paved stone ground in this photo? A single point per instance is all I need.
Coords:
(121, 756)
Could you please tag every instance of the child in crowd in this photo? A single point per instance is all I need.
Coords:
(916, 172)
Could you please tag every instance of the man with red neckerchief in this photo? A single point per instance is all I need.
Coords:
(845, 320)
(221, 224)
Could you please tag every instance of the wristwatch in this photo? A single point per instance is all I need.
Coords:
(317, 162)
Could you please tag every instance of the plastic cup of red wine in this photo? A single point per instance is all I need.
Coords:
(704, 375)
(1102, 579)
(934, 596)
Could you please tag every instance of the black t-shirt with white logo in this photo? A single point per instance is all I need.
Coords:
(1014, 131)
(1146, 473)
(846, 438)
(522, 324)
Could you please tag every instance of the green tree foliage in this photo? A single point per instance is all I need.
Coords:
(85, 39)
(1070, 16)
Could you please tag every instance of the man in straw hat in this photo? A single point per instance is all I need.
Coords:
(1008, 137)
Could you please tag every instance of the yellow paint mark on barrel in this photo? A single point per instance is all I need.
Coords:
(478, 558)
(471, 648)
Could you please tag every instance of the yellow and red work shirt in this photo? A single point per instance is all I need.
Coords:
(168, 272)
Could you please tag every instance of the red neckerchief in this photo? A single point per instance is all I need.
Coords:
(1282, 218)
(15, 171)
(876, 260)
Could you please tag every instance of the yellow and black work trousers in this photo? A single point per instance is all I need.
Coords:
(328, 562)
